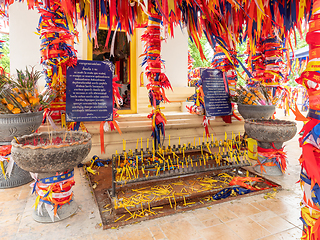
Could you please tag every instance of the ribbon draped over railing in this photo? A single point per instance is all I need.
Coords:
(240, 187)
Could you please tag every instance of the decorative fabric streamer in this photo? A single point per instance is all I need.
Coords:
(223, 22)
(241, 181)
(309, 160)
(53, 192)
(158, 81)
(278, 157)
(311, 222)
(5, 155)
(228, 191)
(117, 99)
(57, 34)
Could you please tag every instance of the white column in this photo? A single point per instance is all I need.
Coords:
(174, 51)
(24, 42)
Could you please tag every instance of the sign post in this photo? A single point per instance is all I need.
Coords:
(216, 93)
(89, 92)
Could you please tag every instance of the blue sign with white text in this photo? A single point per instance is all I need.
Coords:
(216, 93)
(89, 92)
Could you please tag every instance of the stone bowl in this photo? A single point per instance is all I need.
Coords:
(256, 111)
(17, 125)
(51, 151)
(270, 130)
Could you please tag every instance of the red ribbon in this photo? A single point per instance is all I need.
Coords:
(5, 150)
(279, 154)
(102, 137)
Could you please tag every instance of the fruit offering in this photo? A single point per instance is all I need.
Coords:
(20, 95)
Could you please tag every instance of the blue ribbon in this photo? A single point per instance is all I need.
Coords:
(62, 177)
(99, 162)
(227, 192)
(314, 114)
(59, 178)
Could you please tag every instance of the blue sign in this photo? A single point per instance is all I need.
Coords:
(216, 93)
(89, 92)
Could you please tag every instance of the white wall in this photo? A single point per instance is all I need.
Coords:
(24, 42)
(174, 51)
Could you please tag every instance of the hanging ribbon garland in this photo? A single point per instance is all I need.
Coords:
(158, 81)
(222, 62)
(57, 36)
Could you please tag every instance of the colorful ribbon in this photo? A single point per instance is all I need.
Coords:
(53, 191)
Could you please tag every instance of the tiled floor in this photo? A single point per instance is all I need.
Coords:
(248, 218)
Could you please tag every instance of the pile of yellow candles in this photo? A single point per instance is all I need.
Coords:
(138, 202)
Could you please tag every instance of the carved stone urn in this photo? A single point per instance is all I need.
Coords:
(16, 125)
(51, 158)
(270, 135)
(256, 111)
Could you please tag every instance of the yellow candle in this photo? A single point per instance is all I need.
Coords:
(203, 136)
(141, 144)
(153, 149)
(212, 137)
(169, 140)
(199, 141)
(147, 142)
(124, 145)
(137, 162)
(137, 143)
